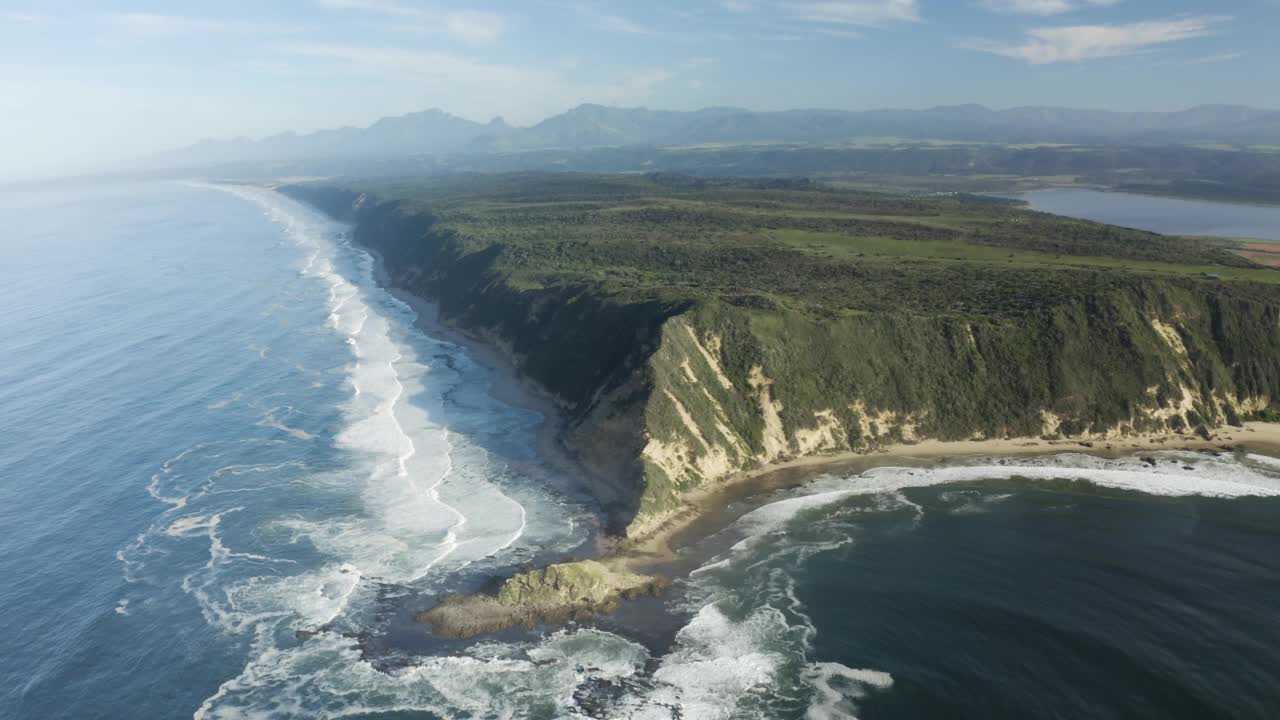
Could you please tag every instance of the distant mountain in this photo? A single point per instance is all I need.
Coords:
(432, 131)
(436, 132)
(600, 126)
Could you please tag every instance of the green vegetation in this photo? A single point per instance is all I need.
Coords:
(675, 239)
(716, 325)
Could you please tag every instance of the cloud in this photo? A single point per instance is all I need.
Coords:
(1219, 57)
(450, 80)
(620, 24)
(738, 6)
(1207, 59)
(471, 27)
(1042, 7)
(605, 20)
(378, 6)
(1075, 43)
(141, 24)
(839, 33)
(866, 13)
(642, 83)
(474, 27)
(23, 18)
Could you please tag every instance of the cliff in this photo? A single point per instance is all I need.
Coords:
(692, 333)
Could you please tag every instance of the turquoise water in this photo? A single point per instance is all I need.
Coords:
(231, 470)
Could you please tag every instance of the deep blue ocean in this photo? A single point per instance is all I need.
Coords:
(231, 469)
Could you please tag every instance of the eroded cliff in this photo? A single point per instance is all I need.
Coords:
(665, 391)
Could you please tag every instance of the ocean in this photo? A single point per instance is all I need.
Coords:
(232, 468)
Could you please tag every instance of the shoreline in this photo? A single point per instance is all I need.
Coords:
(626, 571)
(508, 387)
(661, 548)
(1167, 196)
(627, 568)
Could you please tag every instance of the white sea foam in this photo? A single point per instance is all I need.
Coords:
(489, 681)
(1265, 461)
(416, 503)
(836, 685)
(1207, 476)
(176, 485)
(271, 419)
(713, 653)
(410, 524)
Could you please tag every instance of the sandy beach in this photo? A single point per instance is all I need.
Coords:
(706, 515)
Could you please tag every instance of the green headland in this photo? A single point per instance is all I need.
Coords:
(692, 330)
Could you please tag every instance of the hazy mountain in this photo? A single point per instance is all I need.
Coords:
(593, 126)
(599, 126)
(431, 131)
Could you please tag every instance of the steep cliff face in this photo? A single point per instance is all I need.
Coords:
(663, 397)
(587, 351)
(733, 389)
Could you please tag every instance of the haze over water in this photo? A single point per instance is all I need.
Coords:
(1171, 216)
(216, 431)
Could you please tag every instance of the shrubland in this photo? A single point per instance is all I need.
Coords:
(693, 328)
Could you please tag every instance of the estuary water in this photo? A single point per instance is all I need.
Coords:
(1172, 216)
(231, 469)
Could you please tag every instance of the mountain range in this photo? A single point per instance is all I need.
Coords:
(594, 126)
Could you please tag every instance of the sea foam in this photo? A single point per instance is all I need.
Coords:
(413, 503)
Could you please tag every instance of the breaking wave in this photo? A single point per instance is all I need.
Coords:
(310, 527)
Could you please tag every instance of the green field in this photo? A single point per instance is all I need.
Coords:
(838, 245)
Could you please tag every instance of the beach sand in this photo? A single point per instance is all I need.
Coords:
(707, 505)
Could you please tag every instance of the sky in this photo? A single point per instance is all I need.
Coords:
(85, 84)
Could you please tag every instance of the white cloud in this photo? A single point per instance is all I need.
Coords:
(1090, 42)
(838, 33)
(472, 27)
(23, 18)
(1207, 59)
(385, 7)
(1042, 7)
(476, 28)
(642, 83)
(620, 24)
(738, 6)
(867, 13)
(449, 80)
(1219, 57)
(596, 14)
(141, 24)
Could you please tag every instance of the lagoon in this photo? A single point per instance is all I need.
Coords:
(1171, 216)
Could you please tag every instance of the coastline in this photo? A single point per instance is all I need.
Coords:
(618, 568)
(626, 570)
(1151, 194)
(660, 548)
(508, 386)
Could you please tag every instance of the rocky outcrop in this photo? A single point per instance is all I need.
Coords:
(550, 595)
